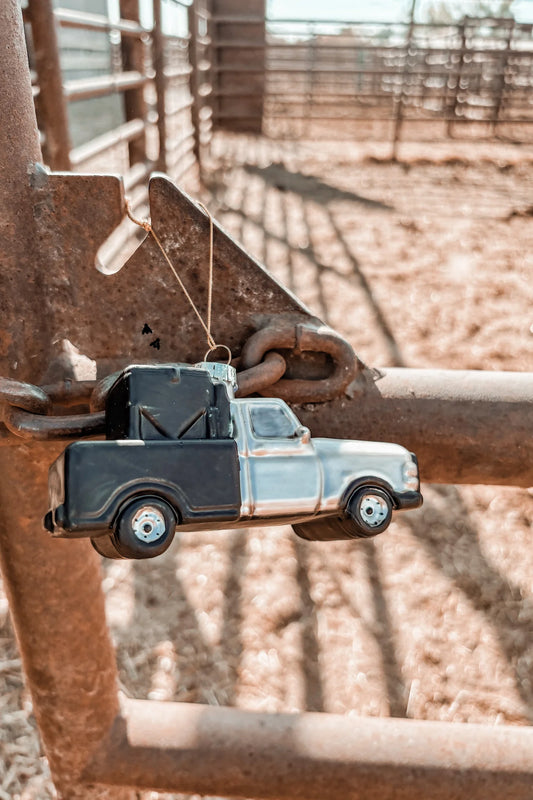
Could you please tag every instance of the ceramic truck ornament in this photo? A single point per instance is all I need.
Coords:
(180, 450)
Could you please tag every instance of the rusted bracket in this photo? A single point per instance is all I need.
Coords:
(105, 315)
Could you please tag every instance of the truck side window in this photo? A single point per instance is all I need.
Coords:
(272, 422)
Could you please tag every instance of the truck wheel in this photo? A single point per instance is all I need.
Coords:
(145, 528)
(371, 510)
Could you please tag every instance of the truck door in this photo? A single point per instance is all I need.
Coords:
(284, 471)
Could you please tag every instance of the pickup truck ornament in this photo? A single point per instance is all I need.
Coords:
(181, 450)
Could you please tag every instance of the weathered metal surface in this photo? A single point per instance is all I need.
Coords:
(42, 428)
(194, 80)
(240, 75)
(160, 85)
(200, 749)
(57, 608)
(261, 376)
(34, 412)
(54, 593)
(24, 395)
(52, 103)
(133, 60)
(301, 337)
(464, 426)
(104, 316)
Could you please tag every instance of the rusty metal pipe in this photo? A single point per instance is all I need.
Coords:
(133, 60)
(101, 85)
(54, 592)
(51, 97)
(234, 753)
(464, 426)
(160, 82)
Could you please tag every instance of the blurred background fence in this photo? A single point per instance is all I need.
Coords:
(138, 85)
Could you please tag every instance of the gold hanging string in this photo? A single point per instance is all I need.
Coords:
(147, 226)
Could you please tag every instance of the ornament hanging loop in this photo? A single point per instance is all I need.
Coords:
(218, 347)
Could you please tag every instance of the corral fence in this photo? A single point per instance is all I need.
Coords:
(148, 94)
(342, 77)
(115, 88)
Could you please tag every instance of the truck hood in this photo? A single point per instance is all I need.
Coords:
(344, 463)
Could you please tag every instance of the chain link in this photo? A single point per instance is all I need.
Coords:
(299, 337)
(30, 411)
(36, 412)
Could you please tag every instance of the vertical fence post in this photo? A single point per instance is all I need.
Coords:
(133, 59)
(503, 74)
(160, 85)
(458, 78)
(240, 64)
(194, 83)
(52, 105)
(53, 587)
(398, 122)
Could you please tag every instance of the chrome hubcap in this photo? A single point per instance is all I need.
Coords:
(373, 510)
(148, 524)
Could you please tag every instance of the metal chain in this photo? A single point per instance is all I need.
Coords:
(36, 412)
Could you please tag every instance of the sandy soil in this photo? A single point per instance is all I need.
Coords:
(420, 264)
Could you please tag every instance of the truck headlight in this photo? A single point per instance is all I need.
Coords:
(410, 476)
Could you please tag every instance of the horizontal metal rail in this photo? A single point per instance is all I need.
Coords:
(185, 162)
(201, 749)
(447, 417)
(173, 111)
(183, 71)
(123, 133)
(254, 19)
(87, 88)
(85, 20)
(217, 116)
(137, 174)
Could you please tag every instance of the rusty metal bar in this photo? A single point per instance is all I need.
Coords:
(87, 88)
(502, 77)
(457, 88)
(206, 750)
(177, 72)
(362, 118)
(68, 18)
(133, 61)
(122, 133)
(160, 81)
(464, 426)
(54, 593)
(52, 104)
(401, 101)
(194, 81)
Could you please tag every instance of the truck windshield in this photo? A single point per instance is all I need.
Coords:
(271, 422)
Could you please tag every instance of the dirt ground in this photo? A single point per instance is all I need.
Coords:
(422, 264)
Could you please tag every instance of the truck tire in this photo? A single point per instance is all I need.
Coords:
(104, 546)
(370, 509)
(145, 528)
(328, 529)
